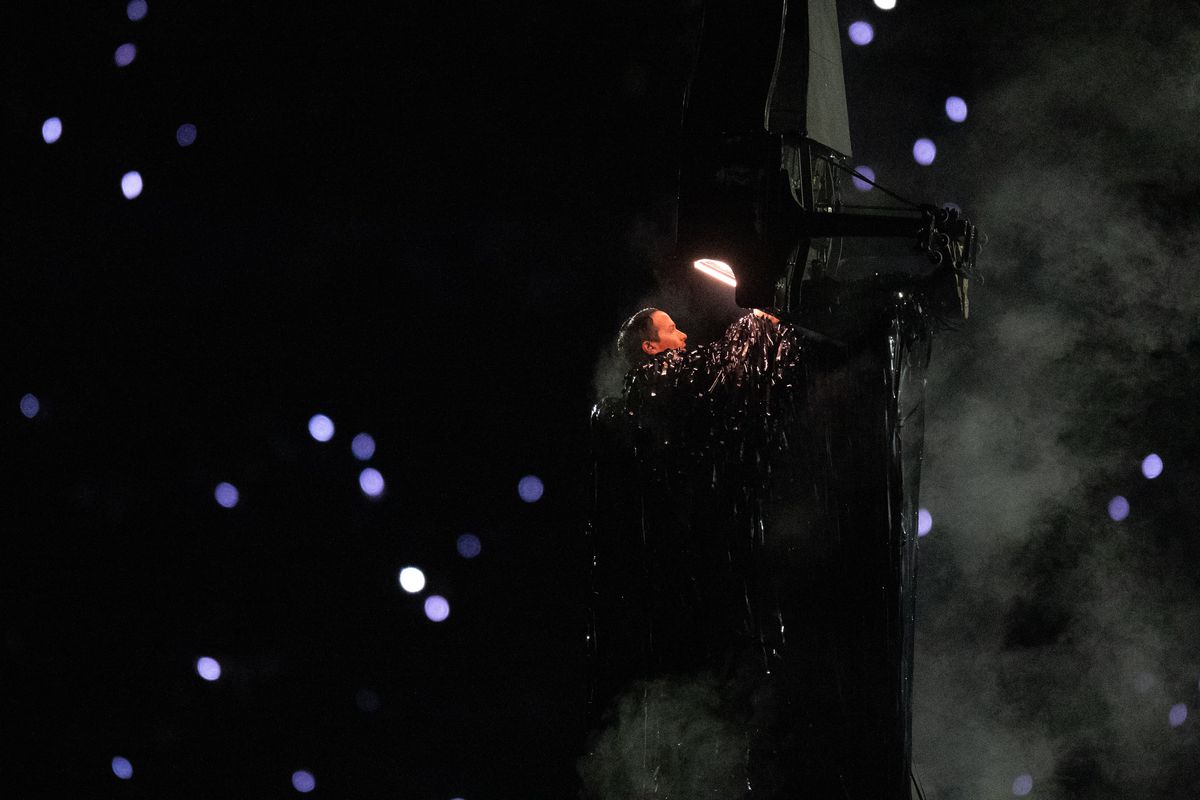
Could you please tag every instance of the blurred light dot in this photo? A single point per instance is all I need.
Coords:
(185, 134)
(131, 184)
(436, 608)
(886, 5)
(226, 494)
(367, 700)
(208, 668)
(1023, 785)
(924, 151)
(530, 488)
(363, 446)
(956, 109)
(859, 183)
(303, 781)
(371, 482)
(136, 9)
(1118, 508)
(30, 406)
(412, 580)
(1178, 715)
(469, 545)
(51, 130)
(320, 427)
(924, 521)
(861, 32)
(1152, 466)
(125, 54)
(122, 768)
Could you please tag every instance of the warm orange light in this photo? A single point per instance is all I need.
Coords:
(716, 269)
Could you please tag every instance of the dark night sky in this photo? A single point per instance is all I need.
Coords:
(424, 220)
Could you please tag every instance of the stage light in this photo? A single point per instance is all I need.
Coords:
(885, 5)
(1178, 715)
(320, 427)
(1152, 466)
(122, 768)
(1022, 785)
(303, 781)
(530, 488)
(363, 446)
(436, 608)
(469, 545)
(924, 522)
(371, 482)
(859, 183)
(226, 494)
(924, 151)
(367, 701)
(51, 130)
(716, 269)
(208, 668)
(956, 109)
(125, 54)
(136, 10)
(412, 580)
(1118, 508)
(861, 33)
(185, 134)
(30, 406)
(131, 184)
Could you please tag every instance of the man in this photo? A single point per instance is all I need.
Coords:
(648, 333)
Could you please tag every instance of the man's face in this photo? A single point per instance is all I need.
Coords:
(669, 337)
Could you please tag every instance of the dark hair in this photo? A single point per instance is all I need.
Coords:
(635, 330)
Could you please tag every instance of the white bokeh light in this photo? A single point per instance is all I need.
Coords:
(437, 608)
(30, 406)
(226, 494)
(131, 184)
(924, 151)
(363, 446)
(136, 10)
(530, 488)
(371, 482)
(885, 5)
(956, 109)
(122, 768)
(320, 427)
(924, 522)
(1022, 785)
(208, 668)
(303, 781)
(1152, 466)
(51, 130)
(412, 580)
(125, 54)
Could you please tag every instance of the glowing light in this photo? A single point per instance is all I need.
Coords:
(924, 151)
(1152, 466)
(956, 109)
(125, 54)
(716, 269)
(924, 522)
(1118, 508)
(30, 406)
(371, 482)
(886, 5)
(363, 446)
(469, 545)
(185, 134)
(367, 700)
(303, 781)
(320, 427)
(1023, 785)
(208, 668)
(530, 488)
(122, 768)
(136, 9)
(226, 494)
(859, 183)
(412, 580)
(1178, 715)
(437, 608)
(51, 130)
(131, 184)
(861, 33)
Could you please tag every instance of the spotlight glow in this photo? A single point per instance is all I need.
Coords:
(469, 545)
(1178, 715)
(185, 134)
(136, 10)
(208, 668)
(1118, 508)
(716, 269)
(131, 184)
(125, 54)
(226, 494)
(51, 130)
(956, 109)
(924, 151)
(303, 781)
(371, 482)
(412, 580)
(530, 488)
(885, 5)
(924, 522)
(1152, 466)
(436, 608)
(320, 427)
(30, 406)
(859, 183)
(1023, 785)
(363, 446)
(122, 768)
(861, 33)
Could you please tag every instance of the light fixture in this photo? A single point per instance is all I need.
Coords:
(716, 269)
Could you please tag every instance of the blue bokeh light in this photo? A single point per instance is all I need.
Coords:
(208, 668)
(530, 488)
(924, 151)
(30, 406)
(1118, 508)
(956, 109)
(469, 545)
(861, 33)
(122, 768)
(1152, 466)
(924, 522)
(363, 446)
(320, 427)
(136, 10)
(226, 494)
(859, 183)
(185, 134)
(437, 608)
(125, 54)
(131, 184)
(303, 781)
(51, 130)
(1178, 715)
(1022, 785)
(371, 482)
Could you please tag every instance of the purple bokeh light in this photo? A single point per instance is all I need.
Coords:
(208, 668)
(924, 522)
(122, 768)
(320, 427)
(185, 134)
(363, 446)
(859, 183)
(412, 579)
(30, 406)
(437, 608)
(956, 109)
(371, 482)
(1022, 785)
(530, 488)
(469, 545)
(1152, 466)
(131, 184)
(51, 130)
(136, 10)
(125, 54)
(1118, 508)
(861, 32)
(226, 494)
(1178, 715)
(924, 151)
(303, 781)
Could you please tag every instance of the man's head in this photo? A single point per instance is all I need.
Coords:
(647, 333)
